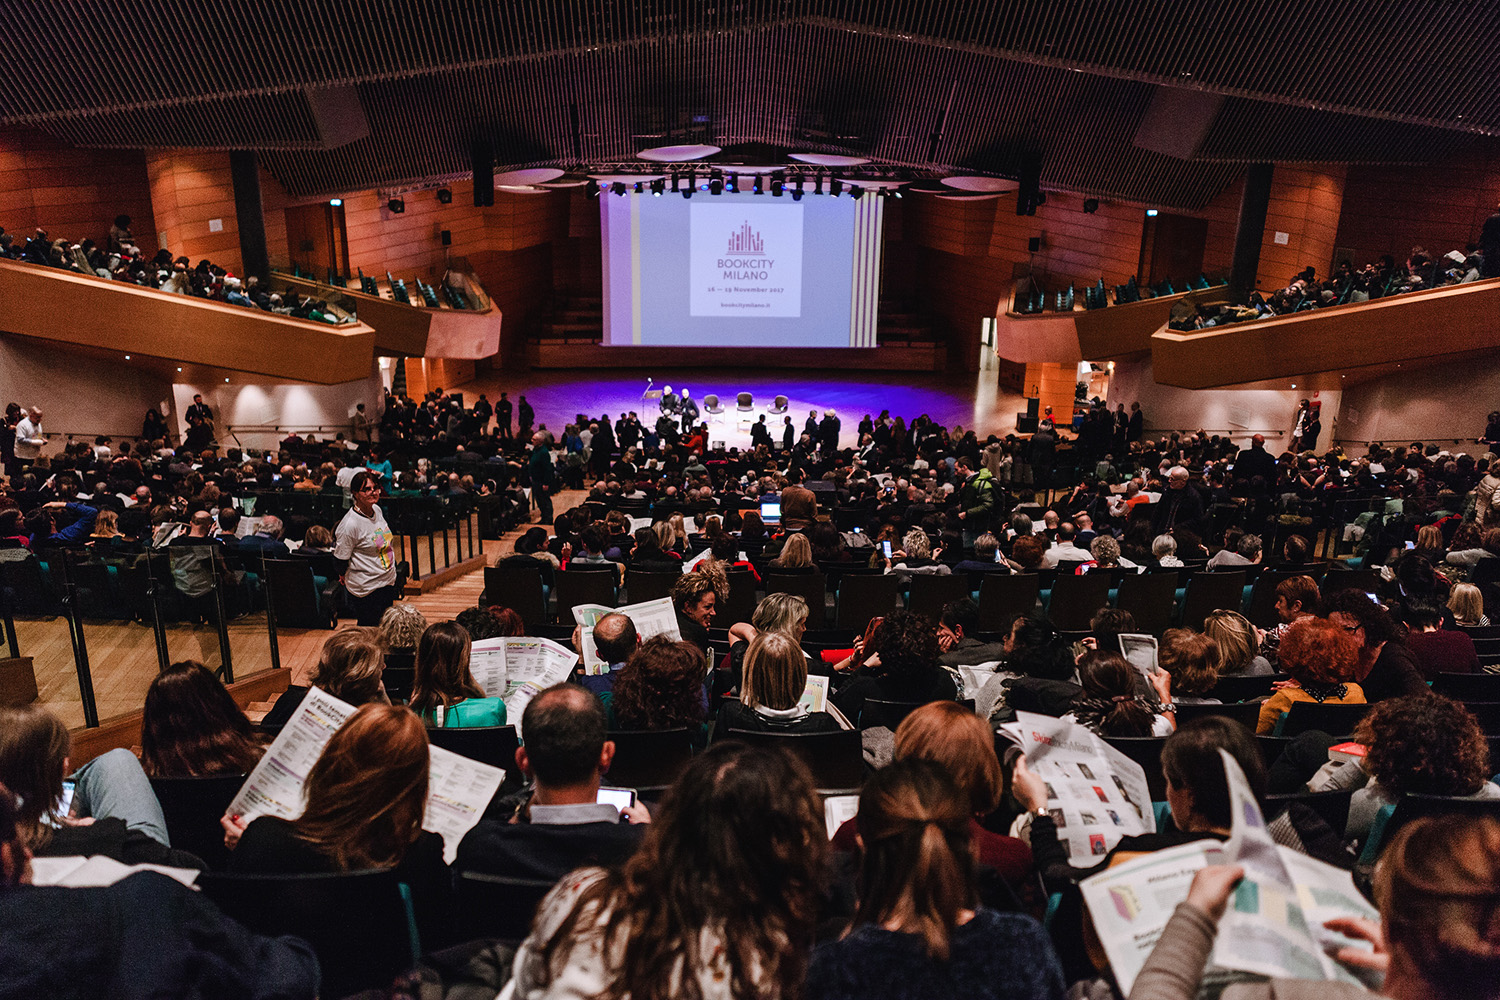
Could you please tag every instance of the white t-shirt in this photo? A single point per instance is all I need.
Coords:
(28, 438)
(366, 542)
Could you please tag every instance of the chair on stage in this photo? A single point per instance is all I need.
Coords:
(780, 405)
(744, 402)
(711, 404)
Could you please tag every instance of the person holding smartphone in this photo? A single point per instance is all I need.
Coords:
(559, 823)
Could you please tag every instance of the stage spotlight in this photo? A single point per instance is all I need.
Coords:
(335, 202)
(1150, 213)
(687, 192)
(618, 188)
(444, 196)
(798, 184)
(835, 187)
(896, 193)
(676, 183)
(1090, 206)
(855, 191)
(591, 189)
(733, 184)
(796, 194)
(759, 185)
(776, 188)
(396, 206)
(639, 187)
(715, 186)
(657, 187)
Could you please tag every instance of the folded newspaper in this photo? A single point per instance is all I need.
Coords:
(458, 789)
(516, 668)
(1095, 794)
(1274, 923)
(651, 618)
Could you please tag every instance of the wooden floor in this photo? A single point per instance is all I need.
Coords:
(122, 656)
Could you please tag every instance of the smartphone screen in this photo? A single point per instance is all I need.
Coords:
(65, 802)
(885, 548)
(1410, 545)
(620, 798)
(999, 556)
(858, 530)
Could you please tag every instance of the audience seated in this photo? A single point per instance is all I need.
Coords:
(1323, 660)
(365, 798)
(919, 929)
(146, 935)
(348, 668)
(722, 893)
(660, 687)
(1191, 660)
(192, 727)
(1385, 668)
(1434, 649)
(957, 629)
(445, 694)
(557, 824)
(901, 665)
(785, 613)
(615, 638)
(1237, 645)
(1110, 703)
(775, 677)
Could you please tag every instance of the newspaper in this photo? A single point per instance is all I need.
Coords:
(838, 810)
(1095, 794)
(458, 789)
(1273, 925)
(1139, 650)
(501, 666)
(637, 523)
(975, 676)
(97, 871)
(651, 618)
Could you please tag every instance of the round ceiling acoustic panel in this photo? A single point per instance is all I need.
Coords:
(532, 175)
(677, 154)
(567, 181)
(970, 196)
(522, 189)
(626, 178)
(985, 185)
(830, 159)
(872, 183)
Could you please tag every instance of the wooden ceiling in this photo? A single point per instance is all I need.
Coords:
(927, 84)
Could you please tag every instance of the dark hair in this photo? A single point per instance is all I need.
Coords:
(33, 749)
(661, 685)
(1038, 651)
(491, 622)
(192, 727)
(907, 644)
(738, 845)
(1379, 626)
(1424, 743)
(689, 589)
(10, 836)
(1422, 614)
(1190, 759)
(565, 729)
(1299, 589)
(918, 862)
(442, 675)
(1109, 704)
(1108, 623)
(963, 613)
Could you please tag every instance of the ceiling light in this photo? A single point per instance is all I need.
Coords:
(1150, 213)
(639, 187)
(179, 368)
(855, 191)
(396, 206)
(657, 187)
(226, 380)
(335, 202)
(716, 186)
(444, 196)
(796, 194)
(127, 357)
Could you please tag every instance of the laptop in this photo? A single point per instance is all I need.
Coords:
(770, 511)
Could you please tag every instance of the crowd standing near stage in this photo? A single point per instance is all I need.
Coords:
(731, 883)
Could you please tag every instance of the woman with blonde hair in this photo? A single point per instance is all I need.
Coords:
(1467, 604)
(106, 525)
(402, 625)
(349, 668)
(771, 689)
(444, 692)
(919, 928)
(796, 555)
(366, 796)
(1238, 642)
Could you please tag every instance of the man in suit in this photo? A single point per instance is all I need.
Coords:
(1135, 427)
(1255, 461)
(560, 825)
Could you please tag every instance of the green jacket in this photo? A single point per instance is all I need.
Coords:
(978, 495)
(471, 713)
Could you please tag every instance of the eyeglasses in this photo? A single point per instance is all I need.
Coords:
(368, 489)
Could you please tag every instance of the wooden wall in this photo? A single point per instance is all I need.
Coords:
(73, 193)
(1305, 204)
(191, 188)
(1077, 248)
(1223, 215)
(1437, 207)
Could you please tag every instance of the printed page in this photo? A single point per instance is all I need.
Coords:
(1095, 794)
(1140, 652)
(838, 810)
(51, 871)
(692, 564)
(541, 662)
(99, 871)
(637, 523)
(651, 618)
(487, 664)
(1131, 903)
(975, 676)
(815, 696)
(458, 791)
(274, 788)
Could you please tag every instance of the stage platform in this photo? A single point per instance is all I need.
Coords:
(911, 356)
(971, 400)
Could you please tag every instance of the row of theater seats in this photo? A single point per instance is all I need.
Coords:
(1037, 300)
(454, 298)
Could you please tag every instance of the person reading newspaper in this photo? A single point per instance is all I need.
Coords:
(515, 668)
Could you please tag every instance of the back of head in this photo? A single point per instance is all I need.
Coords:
(1028, 551)
(1038, 650)
(660, 686)
(1316, 651)
(961, 743)
(193, 727)
(1109, 704)
(796, 552)
(1467, 603)
(775, 673)
(1108, 624)
(13, 858)
(1235, 638)
(1163, 545)
(350, 665)
(402, 625)
(918, 863)
(34, 748)
(779, 612)
(1438, 886)
(615, 637)
(1426, 744)
(565, 729)
(1190, 760)
(907, 644)
(1192, 660)
(985, 546)
(962, 613)
(368, 790)
(443, 676)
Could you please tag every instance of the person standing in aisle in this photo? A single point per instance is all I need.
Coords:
(363, 541)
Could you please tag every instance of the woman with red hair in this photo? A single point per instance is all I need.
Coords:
(1323, 660)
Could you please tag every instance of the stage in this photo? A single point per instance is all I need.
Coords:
(966, 399)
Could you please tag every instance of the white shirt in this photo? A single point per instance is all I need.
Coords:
(1065, 552)
(366, 543)
(29, 438)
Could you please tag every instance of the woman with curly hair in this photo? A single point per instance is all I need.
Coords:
(401, 626)
(1323, 661)
(719, 902)
(1386, 668)
(1424, 743)
(901, 665)
(1191, 659)
(660, 687)
(1111, 705)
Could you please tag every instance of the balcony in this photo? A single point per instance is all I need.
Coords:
(87, 311)
(1363, 338)
(1114, 333)
(413, 331)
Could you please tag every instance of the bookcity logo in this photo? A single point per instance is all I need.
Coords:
(744, 256)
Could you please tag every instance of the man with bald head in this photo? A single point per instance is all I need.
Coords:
(1180, 505)
(559, 824)
(1255, 461)
(615, 639)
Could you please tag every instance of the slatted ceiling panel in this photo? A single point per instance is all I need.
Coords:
(1246, 130)
(269, 121)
